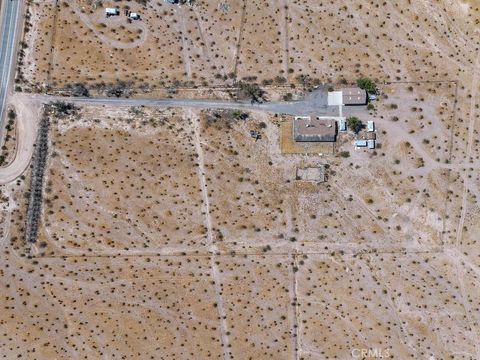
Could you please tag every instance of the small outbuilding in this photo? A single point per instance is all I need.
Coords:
(371, 144)
(112, 12)
(361, 143)
(354, 96)
(342, 125)
(134, 16)
(314, 129)
(371, 126)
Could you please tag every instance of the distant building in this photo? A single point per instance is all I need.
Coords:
(354, 96)
(112, 12)
(371, 126)
(314, 129)
(187, 2)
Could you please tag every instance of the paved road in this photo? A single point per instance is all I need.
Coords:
(8, 36)
(314, 103)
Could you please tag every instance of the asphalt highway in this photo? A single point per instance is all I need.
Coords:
(9, 22)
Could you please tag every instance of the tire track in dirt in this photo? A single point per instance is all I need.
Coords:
(471, 132)
(183, 33)
(210, 237)
(286, 44)
(114, 43)
(239, 41)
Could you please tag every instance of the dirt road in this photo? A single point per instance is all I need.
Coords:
(28, 114)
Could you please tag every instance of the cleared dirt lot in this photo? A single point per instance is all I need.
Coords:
(371, 301)
(126, 178)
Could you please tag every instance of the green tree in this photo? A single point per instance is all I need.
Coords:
(355, 124)
(367, 84)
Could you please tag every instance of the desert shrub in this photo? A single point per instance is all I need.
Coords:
(63, 109)
(367, 84)
(78, 89)
(355, 124)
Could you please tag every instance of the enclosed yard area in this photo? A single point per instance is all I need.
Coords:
(121, 180)
(141, 180)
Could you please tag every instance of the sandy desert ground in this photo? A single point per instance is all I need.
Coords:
(229, 241)
(170, 233)
(218, 43)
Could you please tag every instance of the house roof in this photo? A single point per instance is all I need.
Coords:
(314, 129)
(354, 96)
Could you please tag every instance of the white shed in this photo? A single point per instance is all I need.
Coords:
(112, 11)
(134, 16)
(371, 126)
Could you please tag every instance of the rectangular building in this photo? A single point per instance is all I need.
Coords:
(354, 96)
(112, 11)
(134, 16)
(314, 129)
(371, 126)
(361, 143)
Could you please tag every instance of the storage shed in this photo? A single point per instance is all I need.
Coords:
(112, 11)
(361, 143)
(371, 126)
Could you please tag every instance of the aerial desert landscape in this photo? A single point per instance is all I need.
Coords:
(240, 179)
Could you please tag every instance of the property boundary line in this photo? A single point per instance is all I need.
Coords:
(239, 42)
(286, 38)
(239, 254)
(449, 171)
(450, 146)
(52, 42)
